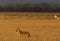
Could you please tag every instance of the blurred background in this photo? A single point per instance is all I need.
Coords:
(30, 5)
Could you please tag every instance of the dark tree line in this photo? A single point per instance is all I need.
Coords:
(41, 7)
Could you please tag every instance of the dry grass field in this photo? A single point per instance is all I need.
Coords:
(40, 30)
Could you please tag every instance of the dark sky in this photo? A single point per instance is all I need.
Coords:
(3, 2)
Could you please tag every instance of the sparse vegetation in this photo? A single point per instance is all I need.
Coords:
(41, 30)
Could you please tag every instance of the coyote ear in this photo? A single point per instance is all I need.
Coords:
(16, 30)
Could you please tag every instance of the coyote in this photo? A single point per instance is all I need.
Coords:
(20, 32)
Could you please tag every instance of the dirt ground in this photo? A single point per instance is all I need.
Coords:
(40, 30)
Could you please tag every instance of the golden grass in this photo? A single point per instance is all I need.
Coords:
(41, 30)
